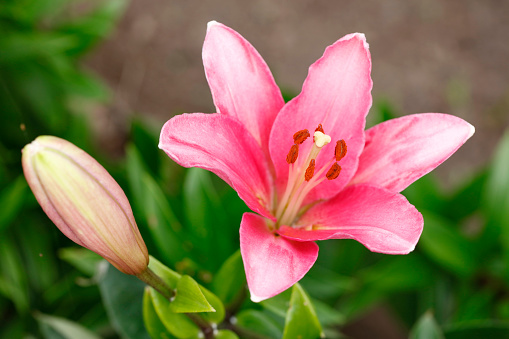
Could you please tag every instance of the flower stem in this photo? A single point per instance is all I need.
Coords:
(150, 278)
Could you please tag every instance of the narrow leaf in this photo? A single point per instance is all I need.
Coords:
(64, 328)
(301, 320)
(426, 328)
(153, 324)
(189, 298)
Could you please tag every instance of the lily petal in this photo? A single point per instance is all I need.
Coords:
(272, 263)
(241, 83)
(381, 220)
(222, 145)
(336, 94)
(400, 151)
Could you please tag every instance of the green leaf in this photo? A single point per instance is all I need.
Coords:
(177, 324)
(151, 205)
(205, 214)
(259, 322)
(153, 324)
(426, 328)
(171, 278)
(442, 242)
(11, 200)
(64, 328)
(496, 197)
(478, 329)
(13, 278)
(226, 334)
(189, 298)
(230, 280)
(122, 296)
(81, 258)
(301, 320)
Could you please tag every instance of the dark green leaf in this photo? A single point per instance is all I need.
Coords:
(259, 322)
(442, 242)
(122, 296)
(11, 200)
(301, 320)
(230, 280)
(13, 278)
(83, 259)
(478, 329)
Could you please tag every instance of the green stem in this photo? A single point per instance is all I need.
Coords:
(150, 278)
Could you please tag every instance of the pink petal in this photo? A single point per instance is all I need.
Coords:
(336, 94)
(221, 144)
(241, 83)
(400, 151)
(272, 263)
(381, 220)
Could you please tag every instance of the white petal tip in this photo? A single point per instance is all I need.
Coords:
(212, 23)
(472, 130)
(256, 299)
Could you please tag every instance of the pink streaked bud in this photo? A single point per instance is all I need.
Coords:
(84, 202)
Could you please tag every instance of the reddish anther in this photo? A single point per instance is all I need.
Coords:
(310, 170)
(300, 136)
(293, 154)
(320, 128)
(333, 172)
(340, 150)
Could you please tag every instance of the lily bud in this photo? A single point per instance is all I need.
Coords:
(84, 202)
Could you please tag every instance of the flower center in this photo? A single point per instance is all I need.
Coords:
(303, 176)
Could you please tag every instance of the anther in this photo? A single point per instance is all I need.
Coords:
(300, 136)
(293, 154)
(340, 150)
(320, 128)
(310, 170)
(333, 172)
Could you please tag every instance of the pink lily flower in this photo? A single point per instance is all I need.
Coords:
(308, 168)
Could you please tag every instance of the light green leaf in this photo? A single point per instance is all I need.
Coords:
(171, 278)
(153, 324)
(177, 324)
(442, 242)
(426, 328)
(122, 296)
(226, 334)
(301, 320)
(230, 280)
(64, 328)
(189, 298)
(259, 322)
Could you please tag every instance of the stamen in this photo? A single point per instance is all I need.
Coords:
(340, 150)
(320, 128)
(310, 170)
(300, 136)
(333, 172)
(293, 154)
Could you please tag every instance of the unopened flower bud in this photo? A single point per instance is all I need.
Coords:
(84, 202)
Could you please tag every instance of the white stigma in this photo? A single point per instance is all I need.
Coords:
(321, 139)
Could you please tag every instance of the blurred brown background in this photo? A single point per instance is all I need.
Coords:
(428, 56)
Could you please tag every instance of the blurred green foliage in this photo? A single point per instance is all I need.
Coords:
(454, 285)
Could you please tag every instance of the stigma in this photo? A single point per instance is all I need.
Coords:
(304, 173)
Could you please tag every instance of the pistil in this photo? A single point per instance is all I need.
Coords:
(303, 177)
